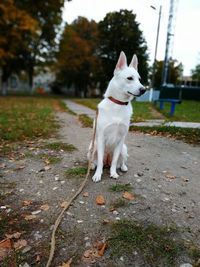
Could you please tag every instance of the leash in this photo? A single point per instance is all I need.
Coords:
(80, 189)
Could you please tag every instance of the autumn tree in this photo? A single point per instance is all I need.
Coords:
(174, 75)
(48, 15)
(15, 28)
(120, 31)
(76, 60)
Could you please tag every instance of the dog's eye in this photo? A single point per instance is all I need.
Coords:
(130, 78)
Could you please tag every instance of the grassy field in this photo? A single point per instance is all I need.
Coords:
(186, 111)
(27, 117)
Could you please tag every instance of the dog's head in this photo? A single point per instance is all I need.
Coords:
(126, 78)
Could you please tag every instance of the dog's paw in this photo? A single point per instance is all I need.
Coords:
(96, 178)
(124, 168)
(114, 175)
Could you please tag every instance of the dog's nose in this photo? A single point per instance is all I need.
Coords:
(142, 90)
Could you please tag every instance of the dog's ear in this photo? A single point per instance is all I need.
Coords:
(122, 62)
(134, 62)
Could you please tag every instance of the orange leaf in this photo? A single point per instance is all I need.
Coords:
(67, 264)
(102, 250)
(5, 246)
(100, 200)
(128, 196)
(27, 202)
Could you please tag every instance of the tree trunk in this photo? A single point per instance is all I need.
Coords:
(5, 76)
(30, 77)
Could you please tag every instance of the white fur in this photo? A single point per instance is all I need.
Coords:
(113, 119)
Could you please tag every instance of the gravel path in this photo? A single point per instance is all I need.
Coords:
(163, 173)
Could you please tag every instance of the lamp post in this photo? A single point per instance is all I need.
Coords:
(155, 54)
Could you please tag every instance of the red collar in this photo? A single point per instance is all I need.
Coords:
(117, 101)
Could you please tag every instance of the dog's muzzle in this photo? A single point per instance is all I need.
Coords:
(142, 90)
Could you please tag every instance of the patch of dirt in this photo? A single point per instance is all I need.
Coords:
(156, 114)
(163, 175)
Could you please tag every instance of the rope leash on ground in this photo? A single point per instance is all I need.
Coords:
(80, 189)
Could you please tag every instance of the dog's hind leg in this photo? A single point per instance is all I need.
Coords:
(123, 157)
(90, 155)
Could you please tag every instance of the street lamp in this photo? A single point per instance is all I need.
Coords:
(155, 55)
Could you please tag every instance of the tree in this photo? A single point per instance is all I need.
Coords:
(196, 73)
(15, 27)
(48, 14)
(175, 71)
(76, 60)
(120, 31)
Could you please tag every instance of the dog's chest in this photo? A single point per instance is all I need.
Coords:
(114, 122)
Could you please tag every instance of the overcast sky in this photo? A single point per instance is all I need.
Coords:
(186, 41)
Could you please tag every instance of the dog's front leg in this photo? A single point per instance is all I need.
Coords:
(100, 155)
(116, 153)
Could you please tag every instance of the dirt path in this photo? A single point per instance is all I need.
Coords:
(163, 176)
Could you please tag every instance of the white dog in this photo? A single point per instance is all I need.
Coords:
(114, 113)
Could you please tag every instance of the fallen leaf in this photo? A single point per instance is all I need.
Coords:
(20, 168)
(64, 204)
(170, 176)
(27, 202)
(100, 200)
(128, 196)
(2, 165)
(102, 250)
(14, 235)
(20, 244)
(66, 264)
(45, 207)
(30, 217)
(5, 246)
(86, 194)
(46, 168)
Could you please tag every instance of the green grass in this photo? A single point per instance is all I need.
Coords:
(51, 159)
(88, 102)
(154, 244)
(76, 172)
(27, 117)
(142, 110)
(119, 203)
(120, 187)
(188, 135)
(85, 120)
(57, 146)
(188, 111)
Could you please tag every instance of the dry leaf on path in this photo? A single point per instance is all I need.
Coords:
(27, 202)
(44, 207)
(128, 196)
(64, 204)
(85, 194)
(100, 200)
(170, 176)
(5, 246)
(66, 264)
(30, 217)
(102, 250)
(20, 244)
(14, 235)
